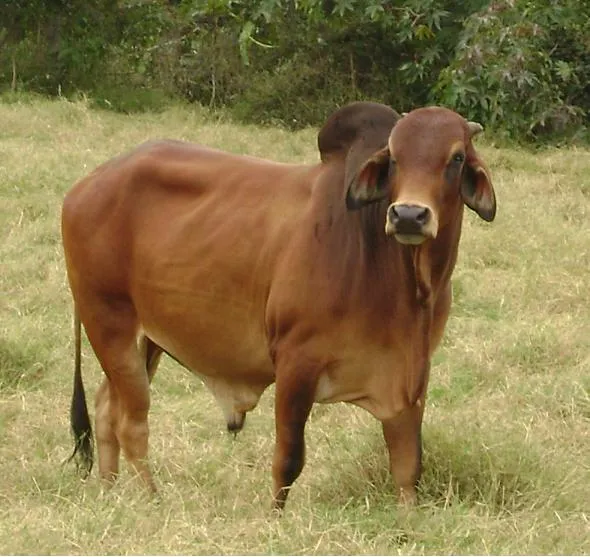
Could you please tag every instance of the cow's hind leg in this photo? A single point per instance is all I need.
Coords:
(104, 426)
(123, 399)
(106, 412)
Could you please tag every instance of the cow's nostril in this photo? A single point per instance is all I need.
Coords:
(422, 215)
(393, 215)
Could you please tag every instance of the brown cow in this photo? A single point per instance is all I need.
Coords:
(331, 280)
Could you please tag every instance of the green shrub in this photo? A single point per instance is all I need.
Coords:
(129, 99)
(523, 67)
(520, 67)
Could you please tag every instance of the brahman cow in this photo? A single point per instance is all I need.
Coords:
(330, 280)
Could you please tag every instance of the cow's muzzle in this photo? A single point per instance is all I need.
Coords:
(409, 223)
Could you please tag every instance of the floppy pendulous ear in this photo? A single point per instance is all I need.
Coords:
(369, 183)
(477, 190)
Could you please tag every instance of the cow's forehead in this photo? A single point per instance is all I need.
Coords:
(433, 129)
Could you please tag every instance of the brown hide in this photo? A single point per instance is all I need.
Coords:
(250, 272)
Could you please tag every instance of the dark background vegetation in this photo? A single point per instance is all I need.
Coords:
(521, 67)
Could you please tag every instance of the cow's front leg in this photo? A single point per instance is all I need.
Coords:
(403, 437)
(295, 391)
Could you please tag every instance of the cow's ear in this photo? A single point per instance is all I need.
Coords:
(370, 182)
(477, 190)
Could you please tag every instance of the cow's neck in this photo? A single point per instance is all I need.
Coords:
(400, 285)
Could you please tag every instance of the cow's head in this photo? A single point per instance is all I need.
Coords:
(427, 169)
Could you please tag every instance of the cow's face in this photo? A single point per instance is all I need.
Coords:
(427, 169)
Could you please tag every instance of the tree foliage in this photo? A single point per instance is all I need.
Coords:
(521, 66)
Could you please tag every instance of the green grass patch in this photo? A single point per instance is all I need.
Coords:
(19, 365)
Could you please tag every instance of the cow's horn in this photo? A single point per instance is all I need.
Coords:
(474, 128)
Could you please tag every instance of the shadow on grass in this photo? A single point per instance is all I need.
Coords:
(466, 468)
(502, 474)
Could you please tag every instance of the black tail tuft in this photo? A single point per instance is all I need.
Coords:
(79, 418)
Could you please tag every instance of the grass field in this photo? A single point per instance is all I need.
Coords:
(507, 425)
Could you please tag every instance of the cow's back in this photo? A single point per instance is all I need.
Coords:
(190, 236)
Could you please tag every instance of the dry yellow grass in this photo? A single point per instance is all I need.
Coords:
(507, 426)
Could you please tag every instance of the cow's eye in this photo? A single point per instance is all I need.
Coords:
(458, 158)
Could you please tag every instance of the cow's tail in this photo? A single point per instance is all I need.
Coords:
(79, 418)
